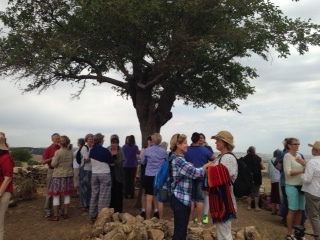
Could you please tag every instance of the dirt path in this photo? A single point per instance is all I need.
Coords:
(27, 222)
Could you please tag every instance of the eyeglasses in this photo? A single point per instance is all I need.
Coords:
(296, 144)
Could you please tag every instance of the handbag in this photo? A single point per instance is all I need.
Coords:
(299, 187)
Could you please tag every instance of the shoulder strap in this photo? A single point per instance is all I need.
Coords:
(226, 153)
(170, 170)
(80, 149)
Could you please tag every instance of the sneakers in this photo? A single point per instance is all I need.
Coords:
(290, 237)
(258, 209)
(143, 214)
(48, 214)
(156, 215)
(205, 219)
(248, 208)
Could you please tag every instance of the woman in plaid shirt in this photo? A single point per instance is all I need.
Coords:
(182, 175)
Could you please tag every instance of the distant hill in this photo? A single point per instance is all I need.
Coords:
(264, 157)
(35, 151)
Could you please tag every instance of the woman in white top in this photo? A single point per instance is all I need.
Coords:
(311, 188)
(76, 167)
(294, 165)
(85, 173)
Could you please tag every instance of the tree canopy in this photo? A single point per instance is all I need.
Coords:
(164, 50)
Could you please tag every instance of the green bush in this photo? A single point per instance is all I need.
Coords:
(17, 163)
(21, 154)
(32, 162)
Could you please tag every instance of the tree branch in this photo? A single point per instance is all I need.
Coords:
(100, 79)
(89, 62)
(152, 83)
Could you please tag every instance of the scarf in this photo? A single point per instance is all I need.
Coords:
(217, 183)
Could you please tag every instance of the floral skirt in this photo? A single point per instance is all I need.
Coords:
(61, 186)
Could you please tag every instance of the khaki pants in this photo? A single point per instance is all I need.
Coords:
(4, 202)
(313, 212)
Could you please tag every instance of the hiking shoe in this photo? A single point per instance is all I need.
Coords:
(156, 215)
(48, 214)
(53, 218)
(143, 214)
(205, 219)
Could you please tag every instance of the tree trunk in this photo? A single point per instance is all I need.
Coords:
(152, 115)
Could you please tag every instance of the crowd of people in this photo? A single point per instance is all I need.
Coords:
(102, 177)
(295, 186)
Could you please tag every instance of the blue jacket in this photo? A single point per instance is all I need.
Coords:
(101, 154)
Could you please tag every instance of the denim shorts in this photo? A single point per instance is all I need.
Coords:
(197, 193)
(296, 200)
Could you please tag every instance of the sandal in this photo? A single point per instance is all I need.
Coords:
(290, 237)
(53, 218)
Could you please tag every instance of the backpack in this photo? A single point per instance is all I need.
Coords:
(78, 155)
(243, 184)
(162, 181)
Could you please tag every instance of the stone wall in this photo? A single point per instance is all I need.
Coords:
(27, 181)
(124, 226)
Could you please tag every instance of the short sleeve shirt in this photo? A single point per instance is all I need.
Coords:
(6, 169)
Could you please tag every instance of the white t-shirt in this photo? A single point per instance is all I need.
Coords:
(311, 177)
(99, 167)
(290, 163)
(74, 162)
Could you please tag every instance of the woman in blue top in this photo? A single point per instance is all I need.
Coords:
(182, 175)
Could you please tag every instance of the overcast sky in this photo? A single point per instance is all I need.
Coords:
(286, 103)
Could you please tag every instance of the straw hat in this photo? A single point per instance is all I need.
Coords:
(3, 145)
(224, 136)
(316, 145)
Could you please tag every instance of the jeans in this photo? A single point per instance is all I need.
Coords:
(181, 214)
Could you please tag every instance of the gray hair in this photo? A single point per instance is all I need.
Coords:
(164, 145)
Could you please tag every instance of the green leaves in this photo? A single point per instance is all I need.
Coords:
(191, 47)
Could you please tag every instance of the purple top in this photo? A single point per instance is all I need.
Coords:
(130, 155)
(153, 156)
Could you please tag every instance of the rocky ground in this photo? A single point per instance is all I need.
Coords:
(26, 221)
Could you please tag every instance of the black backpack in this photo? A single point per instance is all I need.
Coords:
(79, 156)
(243, 184)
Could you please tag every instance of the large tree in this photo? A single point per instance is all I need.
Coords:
(164, 50)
